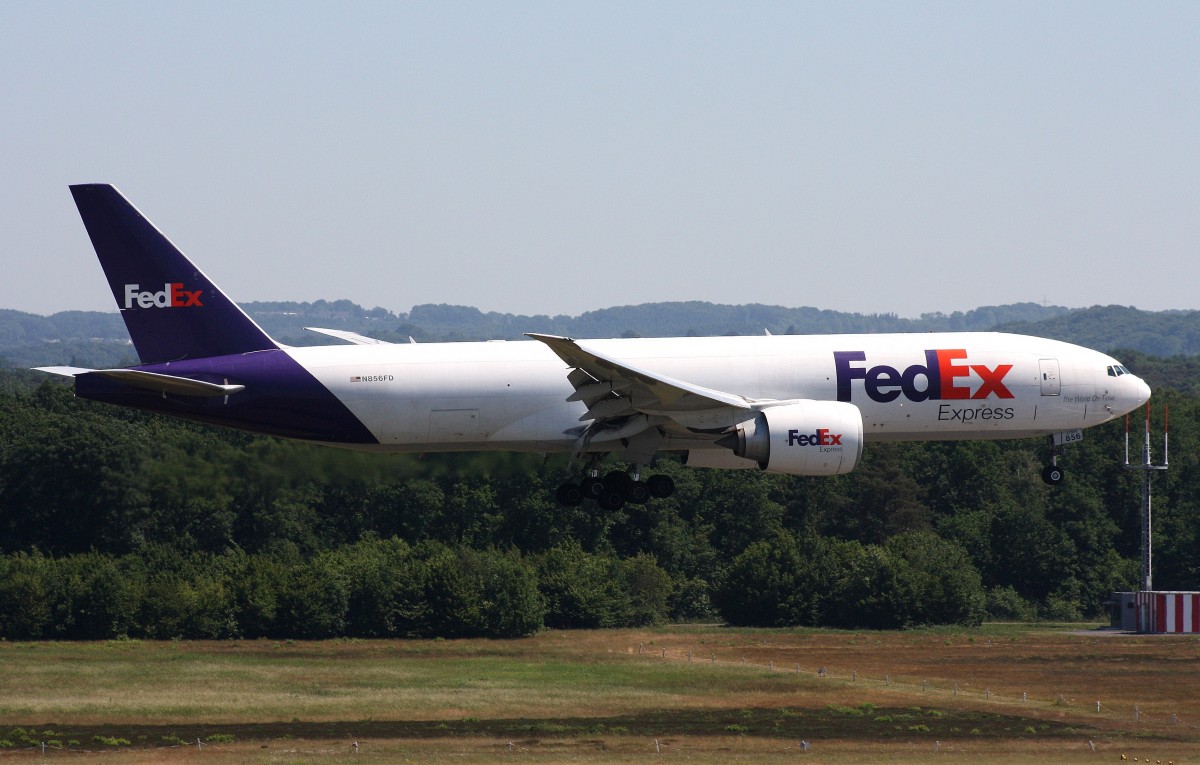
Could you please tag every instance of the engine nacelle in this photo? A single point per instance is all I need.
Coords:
(804, 438)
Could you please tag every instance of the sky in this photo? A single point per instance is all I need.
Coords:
(555, 158)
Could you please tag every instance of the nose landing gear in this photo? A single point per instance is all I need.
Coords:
(1052, 474)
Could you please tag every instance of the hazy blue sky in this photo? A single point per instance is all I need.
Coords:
(560, 157)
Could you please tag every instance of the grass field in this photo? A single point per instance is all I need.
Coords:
(1002, 693)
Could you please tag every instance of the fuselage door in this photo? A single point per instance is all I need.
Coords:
(1050, 383)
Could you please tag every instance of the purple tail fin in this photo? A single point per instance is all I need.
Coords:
(172, 310)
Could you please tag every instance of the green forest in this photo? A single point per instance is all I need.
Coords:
(120, 523)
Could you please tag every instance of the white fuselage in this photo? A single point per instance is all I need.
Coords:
(511, 395)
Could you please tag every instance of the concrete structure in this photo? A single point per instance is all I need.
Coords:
(1157, 612)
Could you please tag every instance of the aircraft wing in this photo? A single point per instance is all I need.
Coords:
(611, 387)
(639, 407)
(350, 337)
(182, 386)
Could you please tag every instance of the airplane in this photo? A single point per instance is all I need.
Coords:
(794, 404)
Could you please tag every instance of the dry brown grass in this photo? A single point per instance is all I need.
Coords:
(598, 697)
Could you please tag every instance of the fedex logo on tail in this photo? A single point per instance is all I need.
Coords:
(173, 295)
(946, 374)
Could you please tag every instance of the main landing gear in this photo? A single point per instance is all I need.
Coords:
(615, 489)
(1052, 473)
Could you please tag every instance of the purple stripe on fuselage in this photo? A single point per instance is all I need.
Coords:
(281, 397)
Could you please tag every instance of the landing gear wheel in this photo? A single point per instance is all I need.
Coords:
(660, 486)
(592, 487)
(611, 500)
(618, 480)
(1053, 475)
(569, 494)
(637, 492)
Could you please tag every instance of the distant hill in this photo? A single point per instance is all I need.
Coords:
(99, 339)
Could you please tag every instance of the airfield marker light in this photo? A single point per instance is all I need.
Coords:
(1166, 430)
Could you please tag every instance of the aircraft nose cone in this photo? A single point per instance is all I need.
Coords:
(1143, 391)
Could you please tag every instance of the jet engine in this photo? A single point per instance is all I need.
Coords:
(801, 438)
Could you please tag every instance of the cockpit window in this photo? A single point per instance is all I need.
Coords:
(1116, 370)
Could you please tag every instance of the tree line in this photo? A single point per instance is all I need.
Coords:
(98, 339)
(115, 522)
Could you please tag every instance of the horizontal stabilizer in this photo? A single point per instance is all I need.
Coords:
(350, 337)
(64, 371)
(182, 386)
